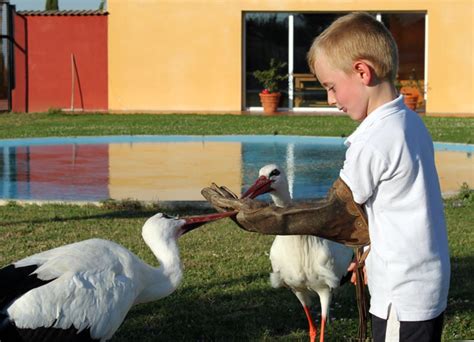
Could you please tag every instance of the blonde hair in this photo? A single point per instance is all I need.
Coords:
(354, 37)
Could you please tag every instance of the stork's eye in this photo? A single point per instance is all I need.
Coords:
(275, 172)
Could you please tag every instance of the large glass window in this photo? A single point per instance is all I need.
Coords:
(288, 37)
(5, 55)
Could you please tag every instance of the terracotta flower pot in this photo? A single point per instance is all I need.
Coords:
(270, 102)
(411, 100)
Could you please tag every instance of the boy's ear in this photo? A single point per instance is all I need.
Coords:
(364, 71)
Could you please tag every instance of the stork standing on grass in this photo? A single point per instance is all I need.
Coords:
(83, 291)
(306, 264)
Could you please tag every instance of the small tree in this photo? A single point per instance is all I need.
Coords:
(51, 5)
(270, 77)
(102, 5)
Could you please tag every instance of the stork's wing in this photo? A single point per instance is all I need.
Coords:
(97, 301)
(15, 281)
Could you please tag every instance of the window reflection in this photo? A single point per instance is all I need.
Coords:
(408, 29)
(308, 92)
(266, 37)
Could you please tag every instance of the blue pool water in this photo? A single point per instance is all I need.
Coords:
(165, 167)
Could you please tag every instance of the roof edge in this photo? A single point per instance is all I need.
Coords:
(63, 13)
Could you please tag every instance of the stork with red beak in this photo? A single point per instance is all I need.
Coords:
(83, 291)
(307, 264)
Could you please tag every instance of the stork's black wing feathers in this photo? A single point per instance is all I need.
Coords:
(15, 281)
(49, 334)
(346, 276)
(10, 333)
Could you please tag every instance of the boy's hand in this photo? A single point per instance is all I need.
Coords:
(352, 268)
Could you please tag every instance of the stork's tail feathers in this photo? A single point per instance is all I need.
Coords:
(346, 278)
(275, 280)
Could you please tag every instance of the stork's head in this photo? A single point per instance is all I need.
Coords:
(271, 179)
(165, 227)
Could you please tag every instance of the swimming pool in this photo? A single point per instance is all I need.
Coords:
(175, 168)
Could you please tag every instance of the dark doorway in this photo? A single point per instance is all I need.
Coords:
(6, 56)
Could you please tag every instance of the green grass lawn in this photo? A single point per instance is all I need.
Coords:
(459, 130)
(225, 295)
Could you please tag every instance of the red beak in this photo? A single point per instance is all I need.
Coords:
(261, 186)
(192, 222)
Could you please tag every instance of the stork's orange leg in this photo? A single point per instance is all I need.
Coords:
(321, 331)
(312, 327)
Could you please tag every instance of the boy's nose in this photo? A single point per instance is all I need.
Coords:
(331, 99)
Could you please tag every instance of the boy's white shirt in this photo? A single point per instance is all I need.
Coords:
(390, 168)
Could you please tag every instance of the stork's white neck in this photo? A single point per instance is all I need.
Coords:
(163, 280)
(281, 197)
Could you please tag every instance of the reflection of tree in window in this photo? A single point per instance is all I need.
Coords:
(266, 37)
(308, 26)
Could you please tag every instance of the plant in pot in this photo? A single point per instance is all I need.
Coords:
(269, 78)
(410, 89)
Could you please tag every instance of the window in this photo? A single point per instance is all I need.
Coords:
(288, 36)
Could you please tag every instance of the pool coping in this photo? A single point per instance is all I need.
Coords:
(166, 205)
(200, 138)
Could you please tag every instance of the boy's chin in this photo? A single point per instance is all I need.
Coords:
(357, 116)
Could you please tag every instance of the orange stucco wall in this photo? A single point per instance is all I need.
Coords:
(179, 55)
(44, 66)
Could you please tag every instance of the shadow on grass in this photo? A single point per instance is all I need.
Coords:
(234, 310)
(219, 312)
(117, 214)
(461, 295)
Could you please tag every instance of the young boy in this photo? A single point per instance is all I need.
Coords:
(390, 171)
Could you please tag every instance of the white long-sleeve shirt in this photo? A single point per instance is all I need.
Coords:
(390, 168)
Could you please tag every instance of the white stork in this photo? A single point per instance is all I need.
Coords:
(304, 263)
(83, 291)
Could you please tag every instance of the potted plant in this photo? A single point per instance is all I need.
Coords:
(269, 78)
(410, 89)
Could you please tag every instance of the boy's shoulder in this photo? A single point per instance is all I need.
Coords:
(388, 131)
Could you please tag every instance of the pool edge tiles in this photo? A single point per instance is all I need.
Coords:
(169, 139)
(205, 138)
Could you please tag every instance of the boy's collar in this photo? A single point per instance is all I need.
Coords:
(379, 113)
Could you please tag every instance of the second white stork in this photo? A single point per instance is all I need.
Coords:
(304, 263)
(83, 291)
